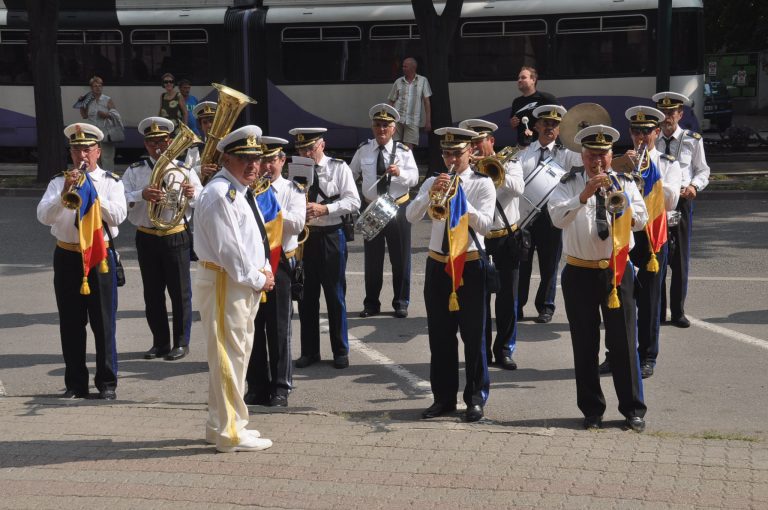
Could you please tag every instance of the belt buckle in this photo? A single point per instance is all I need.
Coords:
(603, 264)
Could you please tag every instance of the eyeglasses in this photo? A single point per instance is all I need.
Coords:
(248, 159)
(642, 131)
(453, 154)
(307, 150)
(167, 81)
(84, 150)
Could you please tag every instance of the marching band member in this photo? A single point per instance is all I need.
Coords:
(333, 194)
(598, 277)
(387, 167)
(164, 255)
(85, 291)
(660, 177)
(687, 148)
(232, 272)
(204, 113)
(546, 238)
(455, 301)
(269, 374)
(502, 246)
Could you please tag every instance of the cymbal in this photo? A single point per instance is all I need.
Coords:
(577, 118)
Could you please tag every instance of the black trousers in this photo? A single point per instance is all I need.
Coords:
(648, 297)
(547, 240)
(270, 370)
(505, 306)
(164, 263)
(76, 310)
(397, 236)
(585, 292)
(443, 325)
(679, 260)
(325, 265)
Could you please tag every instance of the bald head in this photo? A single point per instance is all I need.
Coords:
(409, 67)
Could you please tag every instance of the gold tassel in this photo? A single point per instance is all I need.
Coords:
(653, 264)
(103, 267)
(263, 297)
(613, 299)
(85, 289)
(453, 302)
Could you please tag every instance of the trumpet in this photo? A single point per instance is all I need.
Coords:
(493, 166)
(261, 184)
(615, 199)
(438, 200)
(71, 198)
(637, 172)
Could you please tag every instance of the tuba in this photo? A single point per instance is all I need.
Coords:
(438, 200)
(230, 104)
(493, 166)
(165, 174)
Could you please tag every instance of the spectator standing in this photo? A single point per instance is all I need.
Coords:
(410, 96)
(523, 106)
(99, 110)
(172, 104)
(191, 101)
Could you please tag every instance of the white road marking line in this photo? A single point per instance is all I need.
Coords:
(741, 337)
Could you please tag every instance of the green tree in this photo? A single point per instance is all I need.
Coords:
(43, 21)
(735, 25)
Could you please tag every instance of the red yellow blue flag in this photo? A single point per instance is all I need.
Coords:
(653, 194)
(273, 223)
(457, 230)
(90, 227)
(621, 233)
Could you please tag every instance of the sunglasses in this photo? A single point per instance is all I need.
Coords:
(167, 81)
(642, 131)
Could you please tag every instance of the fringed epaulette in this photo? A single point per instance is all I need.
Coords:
(232, 192)
(574, 170)
(403, 147)
(298, 187)
(337, 160)
(668, 157)
(139, 163)
(112, 175)
(692, 134)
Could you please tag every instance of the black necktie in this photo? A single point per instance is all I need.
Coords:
(252, 202)
(314, 190)
(541, 156)
(601, 218)
(382, 186)
(667, 145)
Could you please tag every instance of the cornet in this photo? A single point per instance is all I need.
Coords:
(438, 200)
(71, 198)
(637, 173)
(615, 199)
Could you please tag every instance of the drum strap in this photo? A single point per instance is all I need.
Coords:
(504, 217)
(383, 186)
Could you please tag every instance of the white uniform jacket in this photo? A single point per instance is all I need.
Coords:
(364, 162)
(336, 178)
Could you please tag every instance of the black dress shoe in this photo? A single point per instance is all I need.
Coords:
(256, 399)
(368, 312)
(278, 401)
(681, 322)
(593, 422)
(507, 363)
(305, 361)
(401, 313)
(71, 394)
(177, 353)
(544, 318)
(635, 423)
(646, 369)
(438, 409)
(474, 413)
(341, 361)
(154, 352)
(107, 395)
(605, 367)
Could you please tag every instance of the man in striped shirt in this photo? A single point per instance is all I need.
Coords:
(410, 97)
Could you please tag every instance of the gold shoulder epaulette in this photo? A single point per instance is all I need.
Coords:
(693, 134)
(232, 192)
(113, 175)
(668, 157)
(402, 146)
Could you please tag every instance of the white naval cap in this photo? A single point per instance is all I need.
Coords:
(481, 127)
(670, 100)
(550, 111)
(385, 112)
(205, 109)
(83, 134)
(245, 140)
(304, 137)
(643, 116)
(599, 136)
(455, 137)
(154, 127)
(271, 145)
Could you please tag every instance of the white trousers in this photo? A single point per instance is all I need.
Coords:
(227, 311)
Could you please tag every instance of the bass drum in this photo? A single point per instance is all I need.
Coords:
(376, 216)
(538, 186)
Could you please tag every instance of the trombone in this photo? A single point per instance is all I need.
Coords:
(493, 165)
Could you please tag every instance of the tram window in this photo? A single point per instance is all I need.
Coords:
(378, 32)
(687, 42)
(498, 58)
(79, 63)
(635, 22)
(384, 58)
(70, 37)
(603, 54)
(568, 25)
(14, 64)
(14, 36)
(322, 61)
(178, 51)
(189, 36)
(103, 37)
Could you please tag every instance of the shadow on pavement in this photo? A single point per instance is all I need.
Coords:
(752, 317)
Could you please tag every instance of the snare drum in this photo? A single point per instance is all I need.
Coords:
(376, 216)
(673, 218)
(538, 186)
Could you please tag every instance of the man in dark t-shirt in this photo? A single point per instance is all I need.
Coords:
(521, 116)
